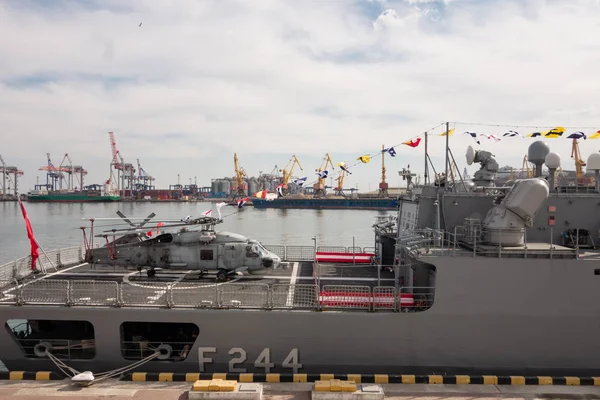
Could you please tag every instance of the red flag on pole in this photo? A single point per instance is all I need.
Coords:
(34, 245)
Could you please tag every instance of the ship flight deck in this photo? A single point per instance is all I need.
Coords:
(288, 273)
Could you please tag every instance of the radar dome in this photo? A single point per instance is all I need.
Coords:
(552, 160)
(470, 155)
(593, 162)
(537, 152)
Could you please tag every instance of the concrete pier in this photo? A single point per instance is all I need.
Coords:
(120, 390)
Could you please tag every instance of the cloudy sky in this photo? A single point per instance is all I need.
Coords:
(202, 79)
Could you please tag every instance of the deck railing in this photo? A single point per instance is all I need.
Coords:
(205, 295)
(468, 242)
(48, 261)
(66, 257)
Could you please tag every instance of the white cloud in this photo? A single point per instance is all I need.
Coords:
(200, 80)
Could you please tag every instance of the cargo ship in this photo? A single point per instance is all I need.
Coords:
(90, 194)
(364, 203)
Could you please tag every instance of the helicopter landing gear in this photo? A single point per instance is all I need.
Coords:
(221, 275)
(202, 273)
(151, 272)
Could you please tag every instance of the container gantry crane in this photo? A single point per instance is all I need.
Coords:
(320, 186)
(288, 171)
(54, 176)
(75, 173)
(239, 177)
(6, 171)
(144, 180)
(125, 171)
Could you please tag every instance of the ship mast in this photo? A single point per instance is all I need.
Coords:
(383, 186)
(447, 159)
(426, 173)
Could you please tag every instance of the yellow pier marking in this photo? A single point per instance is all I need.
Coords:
(138, 377)
(517, 380)
(16, 375)
(300, 378)
(572, 381)
(42, 376)
(165, 377)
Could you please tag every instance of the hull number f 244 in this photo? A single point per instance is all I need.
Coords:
(238, 357)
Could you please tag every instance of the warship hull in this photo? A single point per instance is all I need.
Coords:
(323, 204)
(495, 316)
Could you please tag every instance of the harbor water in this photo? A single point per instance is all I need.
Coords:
(57, 225)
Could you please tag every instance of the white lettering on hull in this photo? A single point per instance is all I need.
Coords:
(239, 356)
(202, 359)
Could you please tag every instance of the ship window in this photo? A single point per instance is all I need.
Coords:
(67, 340)
(206, 255)
(141, 339)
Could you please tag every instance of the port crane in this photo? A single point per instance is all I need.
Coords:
(288, 171)
(581, 179)
(75, 173)
(6, 171)
(54, 176)
(320, 186)
(240, 173)
(526, 172)
(125, 171)
(339, 189)
(144, 180)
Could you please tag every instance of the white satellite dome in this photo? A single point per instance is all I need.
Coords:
(593, 162)
(552, 160)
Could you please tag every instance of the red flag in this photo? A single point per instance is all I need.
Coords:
(412, 143)
(34, 245)
(241, 202)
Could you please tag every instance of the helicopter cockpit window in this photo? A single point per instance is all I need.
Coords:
(251, 251)
(262, 250)
(164, 238)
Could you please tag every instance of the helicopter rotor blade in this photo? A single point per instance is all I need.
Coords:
(195, 222)
(148, 218)
(120, 214)
(138, 229)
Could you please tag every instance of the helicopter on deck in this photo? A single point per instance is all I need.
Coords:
(190, 244)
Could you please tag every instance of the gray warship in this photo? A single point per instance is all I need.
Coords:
(469, 277)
